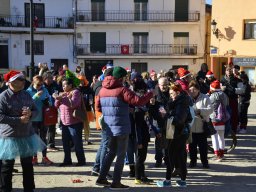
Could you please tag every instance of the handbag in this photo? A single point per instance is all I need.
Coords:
(170, 128)
(80, 113)
(209, 128)
(50, 115)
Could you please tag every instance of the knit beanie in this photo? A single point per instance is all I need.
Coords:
(119, 72)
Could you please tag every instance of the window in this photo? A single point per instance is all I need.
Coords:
(181, 43)
(140, 41)
(98, 10)
(98, 42)
(139, 67)
(250, 29)
(140, 10)
(38, 47)
(38, 12)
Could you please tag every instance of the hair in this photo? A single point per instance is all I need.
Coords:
(244, 76)
(204, 65)
(69, 81)
(175, 87)
(37, 78)
(164, 79)
(193, 83)
(47, 75)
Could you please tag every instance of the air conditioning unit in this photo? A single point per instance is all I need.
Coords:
(79, 35)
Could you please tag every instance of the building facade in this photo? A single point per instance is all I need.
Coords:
(53, 24)
(235, 36)
(142, 35)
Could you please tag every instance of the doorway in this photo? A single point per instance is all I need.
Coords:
(4, 61)
(56, 64)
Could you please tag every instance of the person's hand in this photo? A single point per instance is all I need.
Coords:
(26, 112)
(69, 95)
(152, 101)
(162, 111)
(140, 146)
(24, 119)
(39, 93)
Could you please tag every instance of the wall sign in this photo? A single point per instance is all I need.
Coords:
(245, 61)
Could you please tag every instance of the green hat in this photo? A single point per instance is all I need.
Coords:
(119, 72)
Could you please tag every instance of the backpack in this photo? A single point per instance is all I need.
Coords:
(222, 113)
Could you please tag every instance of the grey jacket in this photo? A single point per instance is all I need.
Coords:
(11, 105)
(203, 104)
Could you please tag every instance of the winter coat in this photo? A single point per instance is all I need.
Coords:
(113, 100)
(202, 103)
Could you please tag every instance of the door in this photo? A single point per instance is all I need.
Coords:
(4, 61)
(39, 12)
(94, 67)
(181, 10)
(181, 43)
(140, 11)
(140, 41)
(98, 42)
(56, 64)
(139, 67)
(98, 10)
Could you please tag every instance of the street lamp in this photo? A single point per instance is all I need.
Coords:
(32, 63)
(215, 30)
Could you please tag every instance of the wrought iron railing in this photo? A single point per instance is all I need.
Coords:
(131, 16)
(133, 49)
(47, 22)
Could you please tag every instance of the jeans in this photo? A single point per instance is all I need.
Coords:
(73, 133)
(117, 147)
(51, 136)
(131, 150)
(41, 130)
(159, 149)
(6, 171)
(102, 151)
(140, 159)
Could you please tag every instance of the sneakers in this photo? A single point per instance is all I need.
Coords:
(46, 161)
(119, 186)
(35, 161)
(242, 131)
(104, 183)
(181, 183)
(164, 183)
(144, 180)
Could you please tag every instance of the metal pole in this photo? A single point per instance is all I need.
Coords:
(32, 64)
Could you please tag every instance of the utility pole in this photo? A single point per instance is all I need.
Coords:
(32, 62)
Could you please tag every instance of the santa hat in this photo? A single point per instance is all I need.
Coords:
(127, 69)
(215, 86)
(183, 73)
(153, 72)
(209, 74)
(103, 68)
(12, 75)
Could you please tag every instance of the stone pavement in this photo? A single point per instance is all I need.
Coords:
(237, 173)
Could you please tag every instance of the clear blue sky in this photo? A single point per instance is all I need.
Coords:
(208, 1)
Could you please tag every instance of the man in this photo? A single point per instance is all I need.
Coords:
(17, 135)
(113, 100)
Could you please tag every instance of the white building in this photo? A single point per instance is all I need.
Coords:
(140, 34)
(54, 34)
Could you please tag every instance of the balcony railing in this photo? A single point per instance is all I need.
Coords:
(132, 49)
(131, 16)
(47, 22)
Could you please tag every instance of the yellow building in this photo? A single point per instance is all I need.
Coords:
(234, 38)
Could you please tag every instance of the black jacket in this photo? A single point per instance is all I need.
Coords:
(231, 84)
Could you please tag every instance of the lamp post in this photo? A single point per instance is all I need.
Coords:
(215, 30)
(32, 63)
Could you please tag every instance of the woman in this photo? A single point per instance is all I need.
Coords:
(72, 127)
(218, 98)
(203, 109)
(176, 148)
(41, 98)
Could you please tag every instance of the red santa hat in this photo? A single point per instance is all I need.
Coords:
(183, 73)
(12, 75)
(153, 72)
(104, 68)
(209, 74)
(215, 86)
(127, 69)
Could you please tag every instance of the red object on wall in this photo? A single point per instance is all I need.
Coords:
(125, 49)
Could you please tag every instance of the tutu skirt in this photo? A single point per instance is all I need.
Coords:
(10, 148)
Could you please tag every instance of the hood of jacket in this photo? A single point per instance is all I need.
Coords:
(110, 82)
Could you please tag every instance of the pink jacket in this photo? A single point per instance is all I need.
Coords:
(67, 107)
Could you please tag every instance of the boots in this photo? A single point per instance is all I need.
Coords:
(132, 171)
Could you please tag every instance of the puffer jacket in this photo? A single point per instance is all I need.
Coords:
(67, 107)
(216, 98)
(113, 100)
(203, 103)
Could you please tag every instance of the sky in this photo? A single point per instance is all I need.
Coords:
(208, 1)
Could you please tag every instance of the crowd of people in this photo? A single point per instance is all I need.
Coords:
(126, 107)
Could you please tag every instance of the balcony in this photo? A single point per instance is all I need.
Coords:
(131, 16)
(136, 50)
(47, 22)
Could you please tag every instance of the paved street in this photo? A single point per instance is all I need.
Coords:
(237, 173)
